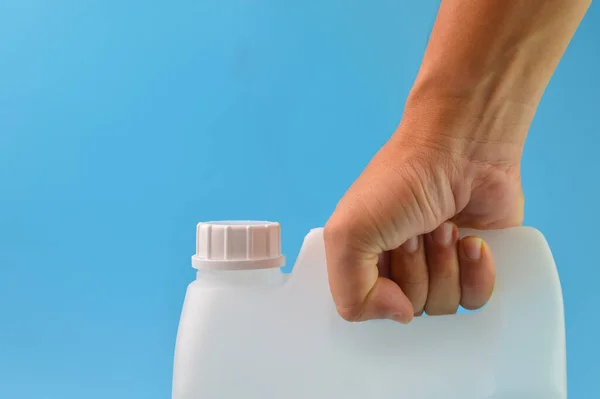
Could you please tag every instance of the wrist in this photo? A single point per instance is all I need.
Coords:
(483, 122)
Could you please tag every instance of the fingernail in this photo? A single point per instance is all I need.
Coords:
(399, 318)
(443, 234)
(472, 247)
(411, 245)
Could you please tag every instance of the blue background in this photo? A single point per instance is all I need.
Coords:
(124, 123)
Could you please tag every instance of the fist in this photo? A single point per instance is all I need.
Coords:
(392, 243)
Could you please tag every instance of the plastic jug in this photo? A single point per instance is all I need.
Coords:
(248, 330)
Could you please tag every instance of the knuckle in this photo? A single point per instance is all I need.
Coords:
(331, 230)
(347, 231)
(339, 224)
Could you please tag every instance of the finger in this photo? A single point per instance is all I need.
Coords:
(382, 302)
(477, 272)
(408, 269)
(360, 293)
(444, 274)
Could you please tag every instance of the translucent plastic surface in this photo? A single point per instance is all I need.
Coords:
(264, 335)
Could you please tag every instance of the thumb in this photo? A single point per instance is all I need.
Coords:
(383, 209)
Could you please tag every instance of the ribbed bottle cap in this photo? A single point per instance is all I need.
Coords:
(238, 245)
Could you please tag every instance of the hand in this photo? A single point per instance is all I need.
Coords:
(392, 243)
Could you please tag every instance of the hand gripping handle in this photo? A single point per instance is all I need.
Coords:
(518, 338)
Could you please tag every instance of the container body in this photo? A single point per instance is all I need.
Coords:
(266, 335)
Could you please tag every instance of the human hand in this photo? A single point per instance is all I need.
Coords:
(392, 243)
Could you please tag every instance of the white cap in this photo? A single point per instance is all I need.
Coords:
(238, 245)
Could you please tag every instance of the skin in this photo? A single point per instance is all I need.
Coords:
(392, 242)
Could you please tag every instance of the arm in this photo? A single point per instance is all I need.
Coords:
(487, 65)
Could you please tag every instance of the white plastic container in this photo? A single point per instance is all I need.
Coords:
(250, 331)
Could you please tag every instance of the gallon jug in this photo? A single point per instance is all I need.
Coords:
(248, 330)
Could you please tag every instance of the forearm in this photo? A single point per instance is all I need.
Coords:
(487, 65)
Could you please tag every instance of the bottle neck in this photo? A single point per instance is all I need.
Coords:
(241, 278)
